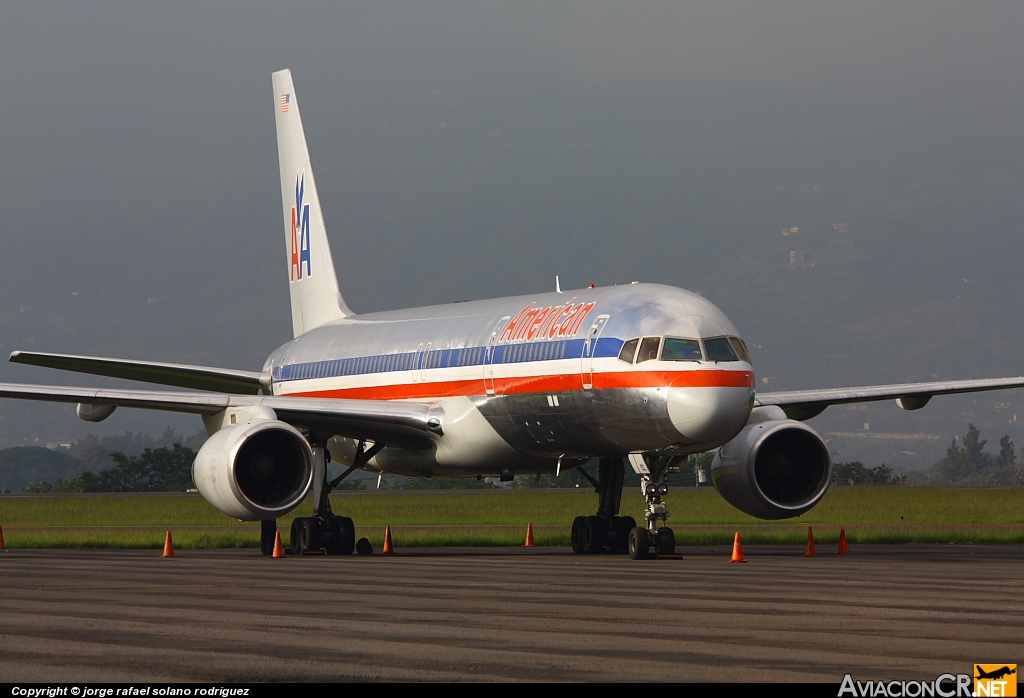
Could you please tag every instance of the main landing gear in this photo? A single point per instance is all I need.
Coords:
(607, 531)
(653, 474)
(324, 532)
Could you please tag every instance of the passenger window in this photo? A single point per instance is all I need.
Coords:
(648, 349)
(629, 350)
(740, 348)
(681, 350)
(720, 349)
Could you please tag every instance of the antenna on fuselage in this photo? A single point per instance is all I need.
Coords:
(558, 286)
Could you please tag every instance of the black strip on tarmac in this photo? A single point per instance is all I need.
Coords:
(884, 612)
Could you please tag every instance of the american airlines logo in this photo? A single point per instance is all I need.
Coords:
(300, 233)
(545, 323)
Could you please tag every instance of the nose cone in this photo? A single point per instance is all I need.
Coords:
(710, 415)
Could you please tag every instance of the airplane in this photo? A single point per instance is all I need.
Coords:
(639, 373)
(995, 674)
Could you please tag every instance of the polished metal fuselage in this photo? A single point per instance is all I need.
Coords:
(525, 381)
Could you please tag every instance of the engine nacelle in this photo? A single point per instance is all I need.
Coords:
(256, 470)
(774, 468)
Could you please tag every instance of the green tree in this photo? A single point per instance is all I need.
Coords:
(1007, 455)
(963, 461)
(970, 465)
(23, 465)
(59, 486)
(156, 470)
(854, 473)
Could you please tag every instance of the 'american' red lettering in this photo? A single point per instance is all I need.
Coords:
(555, 320)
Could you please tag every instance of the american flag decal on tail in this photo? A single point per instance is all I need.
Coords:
(285, 102)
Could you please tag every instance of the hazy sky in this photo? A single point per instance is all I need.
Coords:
(469, 150)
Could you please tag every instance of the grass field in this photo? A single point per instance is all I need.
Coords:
(699, 517)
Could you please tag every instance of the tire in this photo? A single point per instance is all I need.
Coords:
(311, 535)
(666, 542)
(363, 547)
(577, 534)
(594, 529)
(342, 538)
(296, 544)
(623, 525)
(639, 543)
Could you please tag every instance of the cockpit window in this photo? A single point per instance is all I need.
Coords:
(648, 349)
(720, 349)
(681, 350)
(740, 348)
(629, 350)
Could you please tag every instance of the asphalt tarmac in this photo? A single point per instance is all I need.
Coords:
(884, 612)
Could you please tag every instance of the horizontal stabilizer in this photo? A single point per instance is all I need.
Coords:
(179, 375)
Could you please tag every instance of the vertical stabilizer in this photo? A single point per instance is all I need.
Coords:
(311, 279)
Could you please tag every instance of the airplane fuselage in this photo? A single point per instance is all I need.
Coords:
(524, 381)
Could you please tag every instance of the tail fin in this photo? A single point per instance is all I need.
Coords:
(312, 282)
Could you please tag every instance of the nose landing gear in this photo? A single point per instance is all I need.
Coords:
(653, 474)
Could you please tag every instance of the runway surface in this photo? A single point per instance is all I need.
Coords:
(884, 612)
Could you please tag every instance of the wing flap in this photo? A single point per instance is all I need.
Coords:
(179, 375)
(804, 404)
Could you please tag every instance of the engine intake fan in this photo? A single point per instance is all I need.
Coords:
(256, 470)
(774, 468)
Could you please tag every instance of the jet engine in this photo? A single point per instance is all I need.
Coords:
(256, 470)
(775, 468)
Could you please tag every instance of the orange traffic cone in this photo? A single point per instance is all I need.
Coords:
(529, 536)
(2, 546)
(388, 548)
(737, 549)
(278, 548)
(810, 544)
(844, 549)
(168, 546)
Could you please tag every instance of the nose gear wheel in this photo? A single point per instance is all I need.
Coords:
(653, 472)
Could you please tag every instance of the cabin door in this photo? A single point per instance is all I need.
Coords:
(491, 355)
(590, 350)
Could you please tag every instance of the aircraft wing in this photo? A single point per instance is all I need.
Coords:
(179, 375)
(804, 404)
(398, 423)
